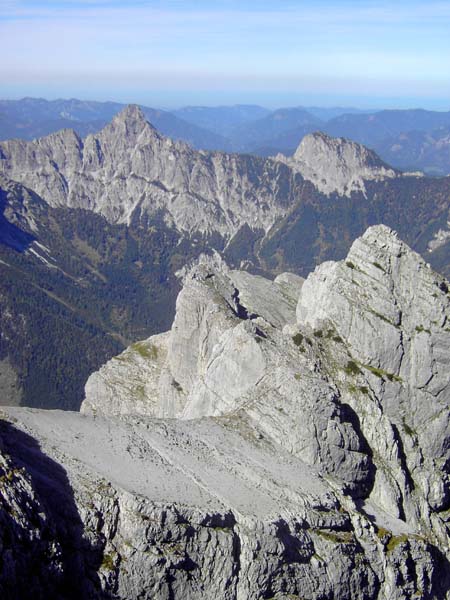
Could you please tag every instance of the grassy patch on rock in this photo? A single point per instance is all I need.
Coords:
(383, 374)
(352, 368)
(337, 537)
(108, 562)
(146, 351)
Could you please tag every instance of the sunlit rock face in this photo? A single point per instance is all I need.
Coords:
(337, 165)
(285, 438)
(129, 171)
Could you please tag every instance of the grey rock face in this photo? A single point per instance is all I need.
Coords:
(179, 509)
(212, 320)
(284, 439)
(128, 168)
(40, 528)
(337, 165)
(393, 312)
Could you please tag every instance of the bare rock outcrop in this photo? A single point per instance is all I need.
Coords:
(284, 439)
(393, 312)
(337, 165)
(128, 170)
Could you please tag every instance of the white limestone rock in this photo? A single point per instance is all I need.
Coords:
(392, 310)
(243, 455)
(337, 165)
(129, 375)
(128, 168)
(223, 357)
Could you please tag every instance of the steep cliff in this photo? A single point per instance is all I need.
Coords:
(337, 165)
(128, 169)
(285, 439)
(92, 236)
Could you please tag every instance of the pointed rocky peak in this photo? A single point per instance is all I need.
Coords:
(118, 140)
(222, 320)
(380, 240)
(130, 114)
(203, 268)
(388, 305)
(66, 136)
(132, 121)
(337, 165)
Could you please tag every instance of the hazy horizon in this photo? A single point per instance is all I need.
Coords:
(173, 53)
(175, 107)
(266, 105)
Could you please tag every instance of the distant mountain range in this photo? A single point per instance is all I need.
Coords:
(93, 231)
(375, 128)
(30, 118)
(414, 139)
(222, 120)
(428, 149)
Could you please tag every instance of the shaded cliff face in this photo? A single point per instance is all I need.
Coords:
(45, 552)
(285, 438)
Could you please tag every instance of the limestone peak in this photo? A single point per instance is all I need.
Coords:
(130, 114)
(132, 122)
(335, 149)
(337, 165)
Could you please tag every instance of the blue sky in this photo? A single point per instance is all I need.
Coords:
(277, 53)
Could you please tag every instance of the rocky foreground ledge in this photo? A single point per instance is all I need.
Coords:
(285, 439)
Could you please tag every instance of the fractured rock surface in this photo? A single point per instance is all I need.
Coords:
(128, 169)
(337, 164)
(285, 439)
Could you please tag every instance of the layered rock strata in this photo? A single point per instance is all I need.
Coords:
(129, 171)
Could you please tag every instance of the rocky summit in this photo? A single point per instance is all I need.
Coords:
(93, 231)
(337, 165)
(128, 170)
(285, 439)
